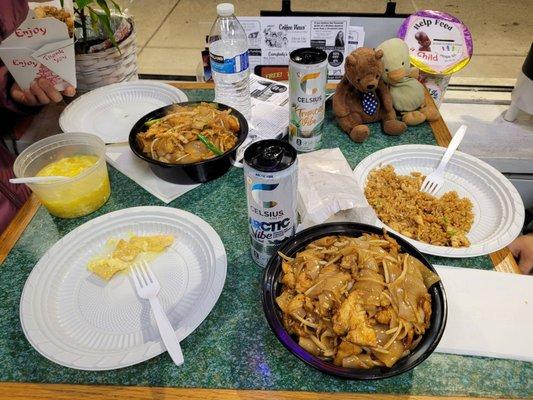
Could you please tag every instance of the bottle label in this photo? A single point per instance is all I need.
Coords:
(233, 65)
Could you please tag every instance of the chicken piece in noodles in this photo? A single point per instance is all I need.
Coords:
(357, 302)
(346, 349)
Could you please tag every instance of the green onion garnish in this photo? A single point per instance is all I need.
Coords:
(152, 121)
(209, 144)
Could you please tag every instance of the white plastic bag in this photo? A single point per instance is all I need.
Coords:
(328, 190)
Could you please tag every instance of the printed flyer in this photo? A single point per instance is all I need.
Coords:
(271, 39)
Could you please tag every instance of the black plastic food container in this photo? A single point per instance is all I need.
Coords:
(272, 287)
(202, 171)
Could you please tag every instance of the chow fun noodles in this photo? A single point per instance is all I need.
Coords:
(358, 302)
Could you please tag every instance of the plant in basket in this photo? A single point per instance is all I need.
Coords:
(105, 44)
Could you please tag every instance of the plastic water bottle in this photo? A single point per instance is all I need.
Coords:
(228, 51)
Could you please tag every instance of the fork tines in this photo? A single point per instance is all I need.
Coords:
(142, 274)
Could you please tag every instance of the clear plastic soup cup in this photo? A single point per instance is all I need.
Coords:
(76, 196)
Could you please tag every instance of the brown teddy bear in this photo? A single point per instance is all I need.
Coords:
(362, 97)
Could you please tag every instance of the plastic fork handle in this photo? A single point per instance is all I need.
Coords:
(167, 332)
(454, 144)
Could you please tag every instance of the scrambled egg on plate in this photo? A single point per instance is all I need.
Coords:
(125, 253)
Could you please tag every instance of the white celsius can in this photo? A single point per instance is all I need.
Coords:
(308, 74)
(270, 176)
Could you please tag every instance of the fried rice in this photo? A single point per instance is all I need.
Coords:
(399, 203)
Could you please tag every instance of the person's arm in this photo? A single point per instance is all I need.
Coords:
(12, 14)
(522, 249)
(6, 101)
(41, 92)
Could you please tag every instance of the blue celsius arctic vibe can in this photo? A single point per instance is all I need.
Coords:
(270, 176)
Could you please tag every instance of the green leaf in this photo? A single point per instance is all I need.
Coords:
(81, 4)
(103, 5)
(106, 22)
(106, 25)
(116, 6)
(94, 19)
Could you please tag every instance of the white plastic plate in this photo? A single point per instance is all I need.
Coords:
(111, 111)
(497, 206)
(75, 319)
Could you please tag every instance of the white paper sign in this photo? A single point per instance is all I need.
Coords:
(40, 48)
(356, 38)
(271, 39)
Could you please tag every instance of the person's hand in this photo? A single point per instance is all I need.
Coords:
(522, 249)
(40, 93)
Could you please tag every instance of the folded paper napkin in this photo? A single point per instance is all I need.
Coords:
(121, 157)
(328, 190)
(490, 314)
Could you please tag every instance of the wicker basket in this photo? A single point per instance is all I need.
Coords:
(108, 66)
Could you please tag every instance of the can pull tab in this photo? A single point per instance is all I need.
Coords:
(270, 157)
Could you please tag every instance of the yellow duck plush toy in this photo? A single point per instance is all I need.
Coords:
(408, 94)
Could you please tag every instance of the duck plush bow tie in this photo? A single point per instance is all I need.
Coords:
(370, 103)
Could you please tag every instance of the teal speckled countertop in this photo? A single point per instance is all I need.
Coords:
(234, 347)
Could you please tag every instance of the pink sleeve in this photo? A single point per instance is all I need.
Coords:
(6, 81)
(12, 197)
(12, 14)
(5, 84)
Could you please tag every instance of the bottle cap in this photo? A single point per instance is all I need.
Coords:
(225, 9)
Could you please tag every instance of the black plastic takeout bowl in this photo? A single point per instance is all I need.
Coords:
(272, 287)
(198, 172)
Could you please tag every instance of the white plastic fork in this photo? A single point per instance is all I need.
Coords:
(148, 287)
(434, 181)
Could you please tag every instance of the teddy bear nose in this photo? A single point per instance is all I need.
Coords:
(371, 86)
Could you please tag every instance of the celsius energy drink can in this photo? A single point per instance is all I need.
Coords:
(270, 175)
(307, 86)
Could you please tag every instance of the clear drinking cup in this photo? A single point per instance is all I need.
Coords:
(76, 196)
